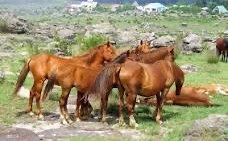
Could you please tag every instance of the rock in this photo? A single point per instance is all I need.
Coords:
(18, 134)
(213, 124)
(104, 28)
(192, 43)
(126, 37)
(14, 24)
(189, 68)
(66, 34)
(163, 41)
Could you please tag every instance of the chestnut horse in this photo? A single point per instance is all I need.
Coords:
(222, 48)
(81, 78)
(105, 81)
(42, 65)
(146, 80)
(189, 96)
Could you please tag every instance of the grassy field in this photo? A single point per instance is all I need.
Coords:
(177, 118)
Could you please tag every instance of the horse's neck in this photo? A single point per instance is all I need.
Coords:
(91, 60)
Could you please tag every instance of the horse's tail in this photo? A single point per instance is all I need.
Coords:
(21, 78)
(103, 83)
(179, 79)
(49, 86)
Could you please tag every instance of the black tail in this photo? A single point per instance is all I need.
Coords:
(104, 81)
(21, 77)
(49, 86)
(179, 79)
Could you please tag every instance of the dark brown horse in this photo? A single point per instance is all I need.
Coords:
(146, 80)
(106, 80)
(42, 65)
(222, 48)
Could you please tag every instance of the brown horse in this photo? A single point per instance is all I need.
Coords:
(222, 49)
(189, 96)
(106, 79)
(42, 65)
(81, 78)
(145, 80)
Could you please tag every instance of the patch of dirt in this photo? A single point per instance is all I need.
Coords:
(203, 129)
(51, 129)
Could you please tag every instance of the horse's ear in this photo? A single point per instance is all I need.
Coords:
(141, 42)
(108, 44)
(149, 42)
(128, 52)
(171, 50)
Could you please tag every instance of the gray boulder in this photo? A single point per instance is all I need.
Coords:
(164, 41)
(13, 24)
(66, 34)
(192, 43)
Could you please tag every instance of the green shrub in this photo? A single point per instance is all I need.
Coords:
(101, 8)
(32, 47)
(87, 43)
(63, 44)
(3, 26)
(212, 58)
(186, 9)
(125, 7)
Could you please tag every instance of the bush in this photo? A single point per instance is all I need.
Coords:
(87, 43)
(212, 58)
(102, 9)
(3, 26)
(186, 9)
(125, 7)
(32, 47)
(64, 45)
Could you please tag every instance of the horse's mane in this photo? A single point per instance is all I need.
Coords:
(158, 53)
(120, 58)
(90, 56)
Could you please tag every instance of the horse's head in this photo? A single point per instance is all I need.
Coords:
(108, 51)
(143, 47)
(171, 55)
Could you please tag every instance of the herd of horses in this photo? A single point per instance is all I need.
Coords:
(143, 71)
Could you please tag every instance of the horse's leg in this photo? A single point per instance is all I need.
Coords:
(158, 104)
(159, 114)
(39, 85)
(104, 104)
(31, 96)
(131, 99)
(78, 105)
(121, 105)
(64, 116)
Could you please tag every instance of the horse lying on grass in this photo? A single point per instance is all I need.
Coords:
(189, 96)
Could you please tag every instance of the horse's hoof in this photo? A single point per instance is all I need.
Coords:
(160, 122)
(105, 123)
(70, 121)
(31, 114)
(64, 122)
(78, 119)
(40, 117)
